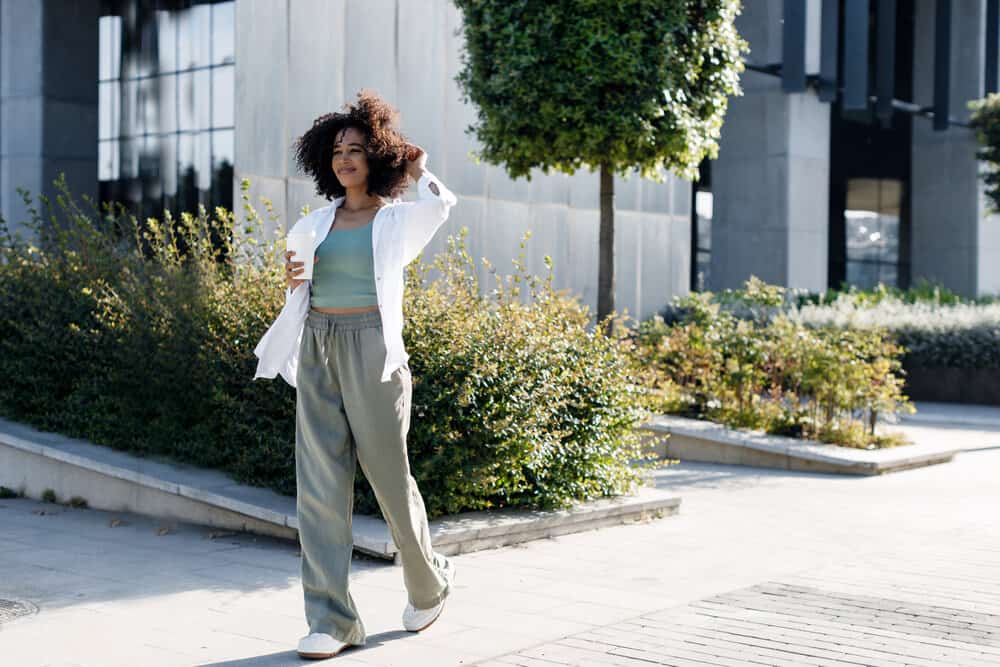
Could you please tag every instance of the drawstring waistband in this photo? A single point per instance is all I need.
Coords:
(344, 321)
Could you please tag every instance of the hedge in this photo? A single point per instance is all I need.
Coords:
(140, 336)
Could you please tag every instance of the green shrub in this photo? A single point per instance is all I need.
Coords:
(923, 292)
(140, 336)
(955, 335)
(516, 401)
(764, 370)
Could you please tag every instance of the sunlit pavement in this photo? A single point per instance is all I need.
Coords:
(759, 567)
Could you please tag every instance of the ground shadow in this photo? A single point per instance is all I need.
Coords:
(287, 658)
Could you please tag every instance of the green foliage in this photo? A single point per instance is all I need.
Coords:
(939, 332)
(985, 120)
(515, 402)
(634, 84)
(767, 371)
(140, 336)
(923, 292)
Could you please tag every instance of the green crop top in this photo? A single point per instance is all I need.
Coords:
(344, 276)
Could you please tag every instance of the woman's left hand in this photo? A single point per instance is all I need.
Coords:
(416, 161)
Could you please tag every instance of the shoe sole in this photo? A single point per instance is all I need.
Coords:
(320, 656)
(317, 656)
(431, 622)
(451, 580)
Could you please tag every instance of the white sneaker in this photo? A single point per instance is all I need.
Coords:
(415, 619)
(320, 645)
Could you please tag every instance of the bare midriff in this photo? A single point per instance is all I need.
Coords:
(345, 311)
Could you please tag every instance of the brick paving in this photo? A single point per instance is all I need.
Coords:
(784, 624)
(932, 606)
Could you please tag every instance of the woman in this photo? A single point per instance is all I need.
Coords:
(338, 340)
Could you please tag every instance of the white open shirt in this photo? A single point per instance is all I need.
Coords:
(399, 233)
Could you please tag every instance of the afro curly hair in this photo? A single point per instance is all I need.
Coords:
(386, 148)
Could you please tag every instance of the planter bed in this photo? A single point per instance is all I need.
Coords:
(696, 440)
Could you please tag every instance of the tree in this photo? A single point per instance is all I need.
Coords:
(623, 86)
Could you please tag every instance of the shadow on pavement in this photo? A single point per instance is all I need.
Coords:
(286, 658)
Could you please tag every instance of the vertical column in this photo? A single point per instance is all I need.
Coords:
(953, 241)
(48, 99)
(770, 183)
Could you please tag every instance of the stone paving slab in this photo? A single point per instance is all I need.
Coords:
(853, 570)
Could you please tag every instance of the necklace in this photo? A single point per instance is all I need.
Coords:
(363, 208)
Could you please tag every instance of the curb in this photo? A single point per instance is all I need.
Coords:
(34, 461)
(697, 440)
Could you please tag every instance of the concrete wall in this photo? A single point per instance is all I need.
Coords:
(770, 183)
(296, 60)
(48, 99)
(954, 241)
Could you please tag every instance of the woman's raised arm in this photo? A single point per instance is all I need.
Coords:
(423, 217)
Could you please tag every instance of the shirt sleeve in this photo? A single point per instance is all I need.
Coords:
(423, 217)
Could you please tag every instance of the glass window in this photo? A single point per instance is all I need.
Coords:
(168, 163)
(223, 111)
(193, 36)
(194, 100)
(203, 159)
(166, 104)
(871, 219)
(166, 42)
(148, 96)
(108, 110)
(185, 102)
(110, 32)
(149, 168)
(203, 99)
(130, 110)
(703, 237)
(223, 20)
(130, 157)
(107, 160)
(222, 149)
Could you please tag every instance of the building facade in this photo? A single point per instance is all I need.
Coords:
(848, 159)
(173, 102)
(830, 171)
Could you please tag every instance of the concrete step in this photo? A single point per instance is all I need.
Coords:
(697, 440)
(33, 461)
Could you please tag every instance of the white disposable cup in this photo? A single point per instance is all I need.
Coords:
(302, 244)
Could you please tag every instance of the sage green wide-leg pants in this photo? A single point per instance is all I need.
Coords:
(344, 412)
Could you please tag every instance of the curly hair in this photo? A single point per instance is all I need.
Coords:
(386, 148)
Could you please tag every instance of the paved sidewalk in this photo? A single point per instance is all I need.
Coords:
(760, 567)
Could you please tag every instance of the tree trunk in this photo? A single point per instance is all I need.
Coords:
(606, 249)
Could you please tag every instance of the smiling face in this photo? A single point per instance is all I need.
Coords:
(350, 161)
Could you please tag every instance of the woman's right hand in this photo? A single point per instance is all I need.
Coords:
(293, 269)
